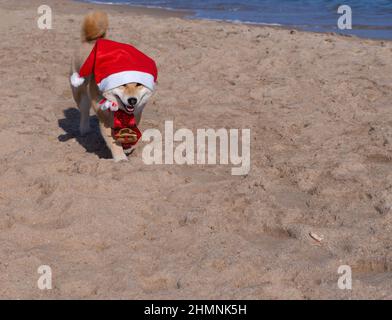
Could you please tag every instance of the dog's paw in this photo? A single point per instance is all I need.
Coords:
(119, 158)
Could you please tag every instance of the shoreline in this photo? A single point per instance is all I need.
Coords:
(140, 10)
(187, 15)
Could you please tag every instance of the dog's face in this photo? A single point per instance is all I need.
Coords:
(131, 97)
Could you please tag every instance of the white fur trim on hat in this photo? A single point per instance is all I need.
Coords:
(118, 79)
(76, 80)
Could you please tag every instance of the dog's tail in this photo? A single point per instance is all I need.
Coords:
(95, 26)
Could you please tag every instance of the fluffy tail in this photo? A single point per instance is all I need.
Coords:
(95, 26)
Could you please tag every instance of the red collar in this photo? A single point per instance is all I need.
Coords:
(125, 130)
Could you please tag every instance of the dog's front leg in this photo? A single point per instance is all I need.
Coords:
(84, 108)
(117, 151)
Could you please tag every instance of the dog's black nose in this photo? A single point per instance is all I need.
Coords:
(132, 101)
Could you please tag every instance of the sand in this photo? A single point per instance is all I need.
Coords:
(319, 110)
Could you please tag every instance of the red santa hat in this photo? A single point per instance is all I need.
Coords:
(115, 64)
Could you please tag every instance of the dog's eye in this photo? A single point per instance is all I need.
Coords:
(138, 84)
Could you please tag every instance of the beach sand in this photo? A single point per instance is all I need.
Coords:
(319, 110)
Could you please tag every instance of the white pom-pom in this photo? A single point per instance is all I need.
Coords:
(76, 80)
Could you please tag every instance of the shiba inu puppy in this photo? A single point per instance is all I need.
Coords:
(105, 71)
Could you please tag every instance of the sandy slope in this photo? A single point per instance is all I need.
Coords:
(319, 107)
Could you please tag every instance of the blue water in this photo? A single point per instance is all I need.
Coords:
(371, 18)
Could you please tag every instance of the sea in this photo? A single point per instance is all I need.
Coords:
(370, 18)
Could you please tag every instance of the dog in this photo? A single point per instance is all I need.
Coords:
(130, 97)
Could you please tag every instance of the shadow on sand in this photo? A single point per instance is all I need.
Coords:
(92, 142)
